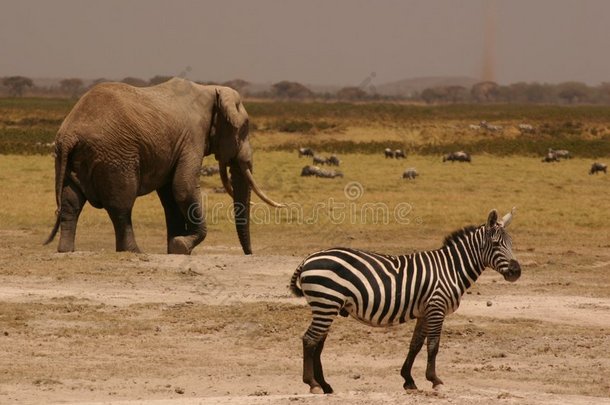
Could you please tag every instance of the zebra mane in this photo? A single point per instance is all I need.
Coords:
(456, 235)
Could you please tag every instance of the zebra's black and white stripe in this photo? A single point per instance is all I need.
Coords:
(383, 290)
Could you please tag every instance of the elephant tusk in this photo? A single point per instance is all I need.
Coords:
(246, 170)
(225, 179)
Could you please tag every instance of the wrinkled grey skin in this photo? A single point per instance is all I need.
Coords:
(120, 142)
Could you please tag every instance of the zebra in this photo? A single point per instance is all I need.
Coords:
(550, 157)
(598, 167)
(333, 160)
(525, 128)
(459, 156)
(383, 290)
(561, 153)
(410, 173)
(490, 127)
(318, 160)
(306, 152)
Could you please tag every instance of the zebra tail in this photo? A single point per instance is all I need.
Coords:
(294, 288)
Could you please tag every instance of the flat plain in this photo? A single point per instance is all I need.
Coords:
(97, 326)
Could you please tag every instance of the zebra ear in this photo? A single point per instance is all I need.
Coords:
(506, 220)
(492, 219)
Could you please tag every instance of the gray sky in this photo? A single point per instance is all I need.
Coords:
(316, 42)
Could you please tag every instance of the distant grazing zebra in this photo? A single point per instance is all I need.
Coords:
(460, 156)
(318, 160)
(209, 170)
(525, 128)
(389, 153)
(562, 153)
(383, 290)
(410, 174)
(598, 167)
(309, 170)
(550, 156)
(400, 154)
(490, 127)
(333, 160)
(305, 152)
(329, 174)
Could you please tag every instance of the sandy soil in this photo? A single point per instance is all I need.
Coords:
(222, 328)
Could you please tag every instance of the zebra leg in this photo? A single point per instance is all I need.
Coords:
(313, 343)
(434, 338)
(318, 373)
(417, 341)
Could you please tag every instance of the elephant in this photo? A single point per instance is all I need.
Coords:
(120, 142)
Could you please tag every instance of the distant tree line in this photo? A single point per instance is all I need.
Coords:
(482, 92)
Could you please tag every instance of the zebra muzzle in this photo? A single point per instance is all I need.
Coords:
(514, 271)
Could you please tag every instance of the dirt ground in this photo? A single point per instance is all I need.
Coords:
(222, 328)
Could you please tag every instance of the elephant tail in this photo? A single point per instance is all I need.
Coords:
(294, 281)
(63, 147)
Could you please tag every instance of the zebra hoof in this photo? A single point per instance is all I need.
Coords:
(316, 390)
(409, 386)
(327, 388)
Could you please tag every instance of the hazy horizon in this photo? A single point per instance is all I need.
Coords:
(318, 43)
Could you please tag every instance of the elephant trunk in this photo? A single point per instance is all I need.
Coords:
(241, 204)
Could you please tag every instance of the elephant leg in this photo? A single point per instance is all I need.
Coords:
(72, 202)
(417, 341)
(174, 220)
(123, 230)
(117, 189)
(187, 197)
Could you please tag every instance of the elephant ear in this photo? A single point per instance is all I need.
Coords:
(229, 103)
(231, 128)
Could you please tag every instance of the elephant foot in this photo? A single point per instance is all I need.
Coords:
(178, 246)
(65, 247)
(130, 249)
(316, 390)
